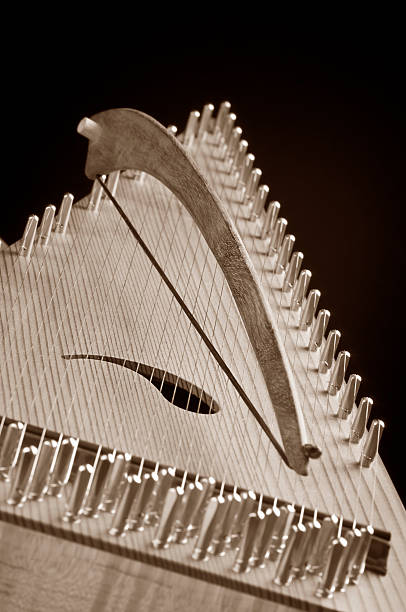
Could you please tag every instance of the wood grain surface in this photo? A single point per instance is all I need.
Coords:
(125, 138)
(29, 559)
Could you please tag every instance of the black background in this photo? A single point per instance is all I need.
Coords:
(322, 110)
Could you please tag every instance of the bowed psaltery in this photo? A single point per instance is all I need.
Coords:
(174, 400)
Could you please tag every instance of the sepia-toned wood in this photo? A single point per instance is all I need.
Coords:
(125, 138)
(29, 559)
(93, 292)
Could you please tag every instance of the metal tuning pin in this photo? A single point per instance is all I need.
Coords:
(309, 310)
(11, 442)
(46, 225)
(281, 531)
(63, 466)
(131, 488)
(361, 419)
(232, 148)
(165, 482)
(353, 537)
(263, 541)
(360, 557)
(170, 510)
(370, 450)
(196, 516)
(284, 573)
(112, 182)
(277, 236)
(191, 128)
(302, 561)
(248, 503)
(299, 548)
(239, 158)
(292, 271)
(75, 505)
(325, 534)
(184, 523)
(101, 476)
(349, 396)
(20, 476)
(213, 516)
(328, 580)
(251, 528)
(62, 219)
(96, 194)
(139, 510)
(329, 350)
(178, 535)
(245, 173)
(223, 112)
(271, 217)
(300, 290)
(27, 241)
(166, 479)
(224, 531)
(115, 482)
(221, 530)
(205, 122)
(285, 253)
(42, 474)
(319, 329)
(252, 187)
(227, 131)
(259, 202)
(338, 374)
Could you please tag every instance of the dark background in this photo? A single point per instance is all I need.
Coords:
(322, 111)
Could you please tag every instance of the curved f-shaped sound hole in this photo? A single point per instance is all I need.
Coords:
(176, 390)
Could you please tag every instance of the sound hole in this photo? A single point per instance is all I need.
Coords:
(176, 390)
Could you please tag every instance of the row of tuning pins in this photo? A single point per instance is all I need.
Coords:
(346, 555)
(294, 283)
(321, 548)
(235, 523)
(34, 467)
(59, 468)
(40, 233)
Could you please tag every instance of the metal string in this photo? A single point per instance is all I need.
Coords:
(195, 324)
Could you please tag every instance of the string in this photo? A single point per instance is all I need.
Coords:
(372, 510)
(109, 327)
(130, 334)
(205, 317)
(272, 290)
(30, 263)
(51, 300)
(157, 302)
(235, 421)
(166, 321)
(265, 258)
(83, 326)
(244, 221)
(195, 323)
(273, 275)
(198, 349)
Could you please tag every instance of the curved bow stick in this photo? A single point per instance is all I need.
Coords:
(120, 139)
